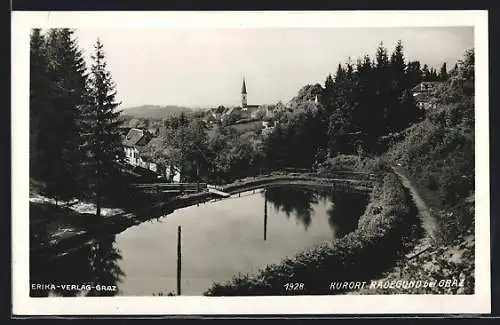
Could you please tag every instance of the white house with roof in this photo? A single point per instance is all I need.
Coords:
(134, 144)
(134, 140)
(423, 94)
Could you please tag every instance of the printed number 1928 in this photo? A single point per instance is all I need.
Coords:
(294, 286)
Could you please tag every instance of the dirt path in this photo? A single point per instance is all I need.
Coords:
(428, 222)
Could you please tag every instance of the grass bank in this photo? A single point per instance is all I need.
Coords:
(437, 155)
(452, 262)
(383, 236)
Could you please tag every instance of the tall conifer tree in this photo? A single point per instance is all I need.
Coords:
(398, 68)
(328, 97)
(443, 73)
(40, 110)
(413, 73)
(57, 80)
(68, 81)
(383, 85)
(397, 118)
(100, 127)
(426, 73)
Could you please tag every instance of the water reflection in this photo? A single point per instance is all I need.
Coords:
(343, 213)
(86, 267)
(219, 239)
(265, 215)
(293, 201)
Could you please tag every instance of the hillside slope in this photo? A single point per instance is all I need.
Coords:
(437, 155)
(155, 111)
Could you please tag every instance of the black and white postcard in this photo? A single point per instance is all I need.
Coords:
(250, 163)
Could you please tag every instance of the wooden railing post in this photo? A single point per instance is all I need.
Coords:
(265, 214)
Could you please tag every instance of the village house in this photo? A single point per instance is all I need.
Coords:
(134, 144)
(154, 131)
(212, 115)
(228, 112)
(423, 94)
(252, 111)
(267, 123)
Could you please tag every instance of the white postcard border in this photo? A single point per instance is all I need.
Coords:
(22, 22)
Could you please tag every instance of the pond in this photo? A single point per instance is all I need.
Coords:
(219, 239)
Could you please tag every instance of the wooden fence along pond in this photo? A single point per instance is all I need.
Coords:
(342, 181)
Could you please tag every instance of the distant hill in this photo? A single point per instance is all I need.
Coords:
(155, 111)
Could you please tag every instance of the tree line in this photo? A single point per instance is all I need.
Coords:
(366, 101)
(360, 108)
(74, 135)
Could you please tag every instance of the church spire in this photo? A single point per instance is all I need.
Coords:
(244, 87)
(244, 95)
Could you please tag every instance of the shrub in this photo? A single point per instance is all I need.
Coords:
(376, 165)
(341, 163)
(351, 163)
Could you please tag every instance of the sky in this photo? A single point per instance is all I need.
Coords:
(205, 67)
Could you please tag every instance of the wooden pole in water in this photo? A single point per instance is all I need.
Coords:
(265, 214)
(179, 260)
(197, 178)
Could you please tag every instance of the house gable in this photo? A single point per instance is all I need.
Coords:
(133, 136)
(426, 86)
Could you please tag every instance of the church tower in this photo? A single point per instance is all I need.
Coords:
(244, 95)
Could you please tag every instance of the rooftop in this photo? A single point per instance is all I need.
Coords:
(136, 137)
(426, 85)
